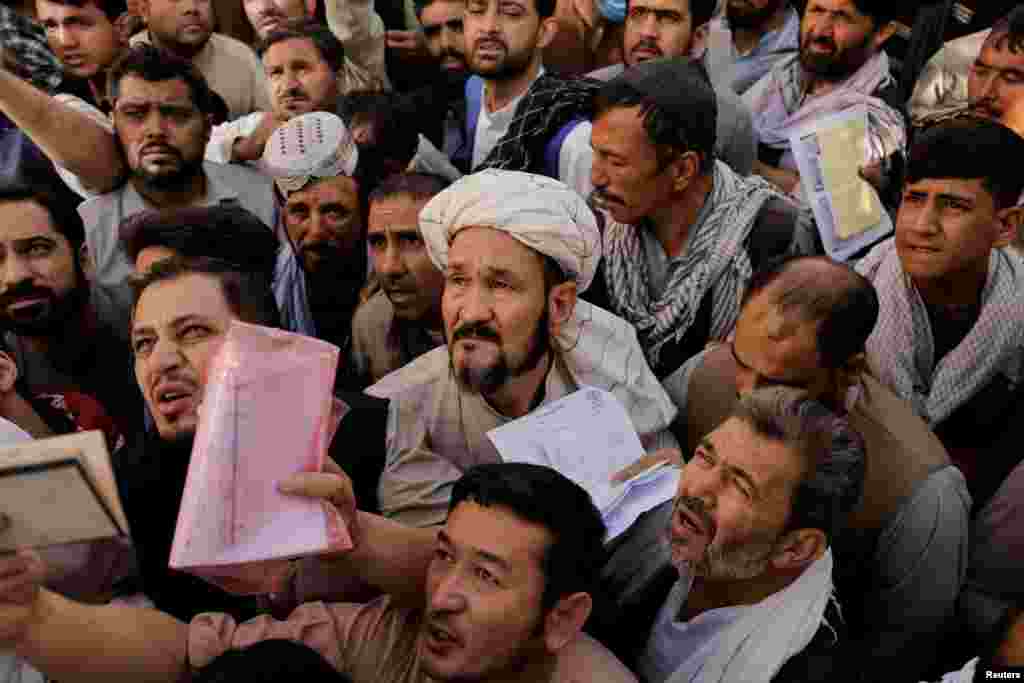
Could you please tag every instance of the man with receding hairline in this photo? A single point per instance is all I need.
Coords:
(804, 324)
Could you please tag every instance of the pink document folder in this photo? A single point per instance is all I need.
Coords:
(268, 412)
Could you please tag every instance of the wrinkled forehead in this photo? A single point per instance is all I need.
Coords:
(487, 248)
(194, 295)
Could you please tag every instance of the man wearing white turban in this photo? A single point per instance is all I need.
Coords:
(516, 249)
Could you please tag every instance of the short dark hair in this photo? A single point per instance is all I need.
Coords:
(226, 232)
(701, 11)
(154, 65)
(269, 661)
(416, 185)
(880, 11)
(841, 300)
(543, 496)
(1009, 30)
(111, 8)
(673, 132)
(61, 204)
(832, 451)
(327, 44)
(970, 147)
(248, 293)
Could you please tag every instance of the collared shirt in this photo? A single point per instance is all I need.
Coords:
(742, 71)
(103, 214)
(232, 70)
(491, 126)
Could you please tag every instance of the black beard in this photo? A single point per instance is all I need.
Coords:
(752, 18)
(62, 312)
(513, 66)
(487, 381)
(175, 180)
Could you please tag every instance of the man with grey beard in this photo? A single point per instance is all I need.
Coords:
(748, 595)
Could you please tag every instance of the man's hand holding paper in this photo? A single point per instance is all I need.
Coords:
(268, 415)
(21, 576)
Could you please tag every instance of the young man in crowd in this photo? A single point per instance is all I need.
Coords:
(500, 593)
(656, 29)
(840, 64)
(949, 333)
(402, 320)
(185, 29)
(804, 323)
(949, 337)
(751, 37)
(515, 249)
(993, 89)
(685, 231)
(69, 127)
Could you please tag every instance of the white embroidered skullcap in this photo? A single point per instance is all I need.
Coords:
(315, 145)
(544, 214)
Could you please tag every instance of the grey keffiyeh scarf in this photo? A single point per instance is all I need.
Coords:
(715, 260)
(902, 349)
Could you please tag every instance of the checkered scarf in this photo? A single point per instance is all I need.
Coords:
(902, 350)
(781, 109)
(28, 55)
(715, 260)
(550, 103)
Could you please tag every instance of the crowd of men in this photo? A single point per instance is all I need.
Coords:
(487, 205)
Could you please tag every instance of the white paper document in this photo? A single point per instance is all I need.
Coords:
(588, 437)
(829, 154)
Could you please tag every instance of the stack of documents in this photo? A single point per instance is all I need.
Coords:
(829, 155)
(268, 413)
(588, 437)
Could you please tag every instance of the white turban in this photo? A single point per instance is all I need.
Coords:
(315, 145)
(544, 214)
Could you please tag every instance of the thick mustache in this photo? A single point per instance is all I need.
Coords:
(648, 44)
(477, 330)
(24, 292)
(700, 510)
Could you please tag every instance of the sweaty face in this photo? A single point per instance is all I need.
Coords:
(300, 80)
(442, 27)
(735, 495)
(325, 224)
(995, 82)
(161, 131)
(625, 173)
(82, 38)
(835, 39)
(407, 275)
(945, 227)
(182, 26)
(657, 28)
(502, 37)
(484, 590)
(267, 16)
(751, 14)
(41, 284)
(494, 308)
(177, 329)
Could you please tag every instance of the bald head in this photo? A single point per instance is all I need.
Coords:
(817, 289)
